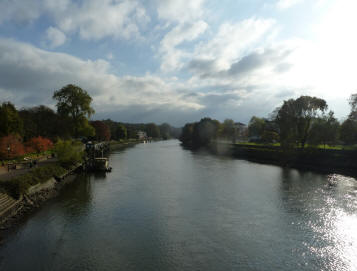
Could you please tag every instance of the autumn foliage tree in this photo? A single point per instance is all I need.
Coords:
(38, 144)
(102, 131)
(11, 147)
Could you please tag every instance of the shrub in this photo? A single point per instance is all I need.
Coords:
(69, 153)
(19, 185)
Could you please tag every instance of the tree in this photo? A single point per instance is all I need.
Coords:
(102, 131)
(187, 134)
(295, 118)
(121, 132)
(42, 121)
(39, 144)
(10, 120)
(324, 130)
(11, 147)
(68, 153)
(152, 130)
(348, 131)
(205, 131)
(165, 131)
(228, 129)
(256, 128)
(74, 103)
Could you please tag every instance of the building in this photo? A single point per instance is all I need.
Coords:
(141, 135)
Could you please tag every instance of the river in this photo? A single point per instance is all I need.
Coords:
(166, 208)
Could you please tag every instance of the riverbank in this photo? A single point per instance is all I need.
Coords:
(31, 189)
(320, 160)
(34, 197)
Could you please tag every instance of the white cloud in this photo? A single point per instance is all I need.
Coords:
(180, 11)
(96, 19)
(20, 11)
(55, 37)
(32, 74)
(284, 4)
(91, 19)
(233, 41)
(171, 56)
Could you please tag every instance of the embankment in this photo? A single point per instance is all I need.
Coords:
(29, 191)
(322, 160)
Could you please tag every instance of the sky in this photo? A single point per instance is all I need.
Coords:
(177, 61)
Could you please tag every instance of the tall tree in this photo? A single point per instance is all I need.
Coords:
(165, 131)
(295, 118)
(228, 129)
(102, 131)
(256, 128)
(324, 130)
(74, 103)
(10, 121)
(42, 121)
(348, 131)
(121, 132)
(152, 130)
(205, 131)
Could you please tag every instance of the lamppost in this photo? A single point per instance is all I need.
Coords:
(8, 157)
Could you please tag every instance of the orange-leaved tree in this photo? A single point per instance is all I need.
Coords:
(38, 144)
(11, 147)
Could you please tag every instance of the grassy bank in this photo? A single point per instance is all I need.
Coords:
(19, 185)
(322, 159)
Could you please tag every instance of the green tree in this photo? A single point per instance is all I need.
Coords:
(74, 103)
(205, 131)
(256, 128)
(165, 131)
(69, 152)
(324, 130)
(295, 118)
(348, 131)
(42, 121)
(121, 132)
(152, 130)
(10, 121)
(187, 134)
(228, 130)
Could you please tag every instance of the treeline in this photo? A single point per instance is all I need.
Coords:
(201, 133)
(121, 130)
(298, 123)
(34, 129)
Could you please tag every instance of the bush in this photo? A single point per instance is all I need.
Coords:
(69, 153)
(18, 186)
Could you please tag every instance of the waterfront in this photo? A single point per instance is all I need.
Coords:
(166, 208)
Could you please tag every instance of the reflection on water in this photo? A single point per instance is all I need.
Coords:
(166, 208)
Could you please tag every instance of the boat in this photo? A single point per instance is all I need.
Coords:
(101, 164)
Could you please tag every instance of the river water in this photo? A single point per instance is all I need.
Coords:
(166, 208)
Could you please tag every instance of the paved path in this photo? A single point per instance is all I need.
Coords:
(5, 175)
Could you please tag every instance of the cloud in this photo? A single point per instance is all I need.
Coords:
(91, 20)
(180, 11)
(232, 41)
(171, 56)
(270, 58)
(95, 19)
(29, 74)
(20, 11)
(285, 4)
(55, 37)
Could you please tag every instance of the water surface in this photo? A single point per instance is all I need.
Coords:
(166, 208)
